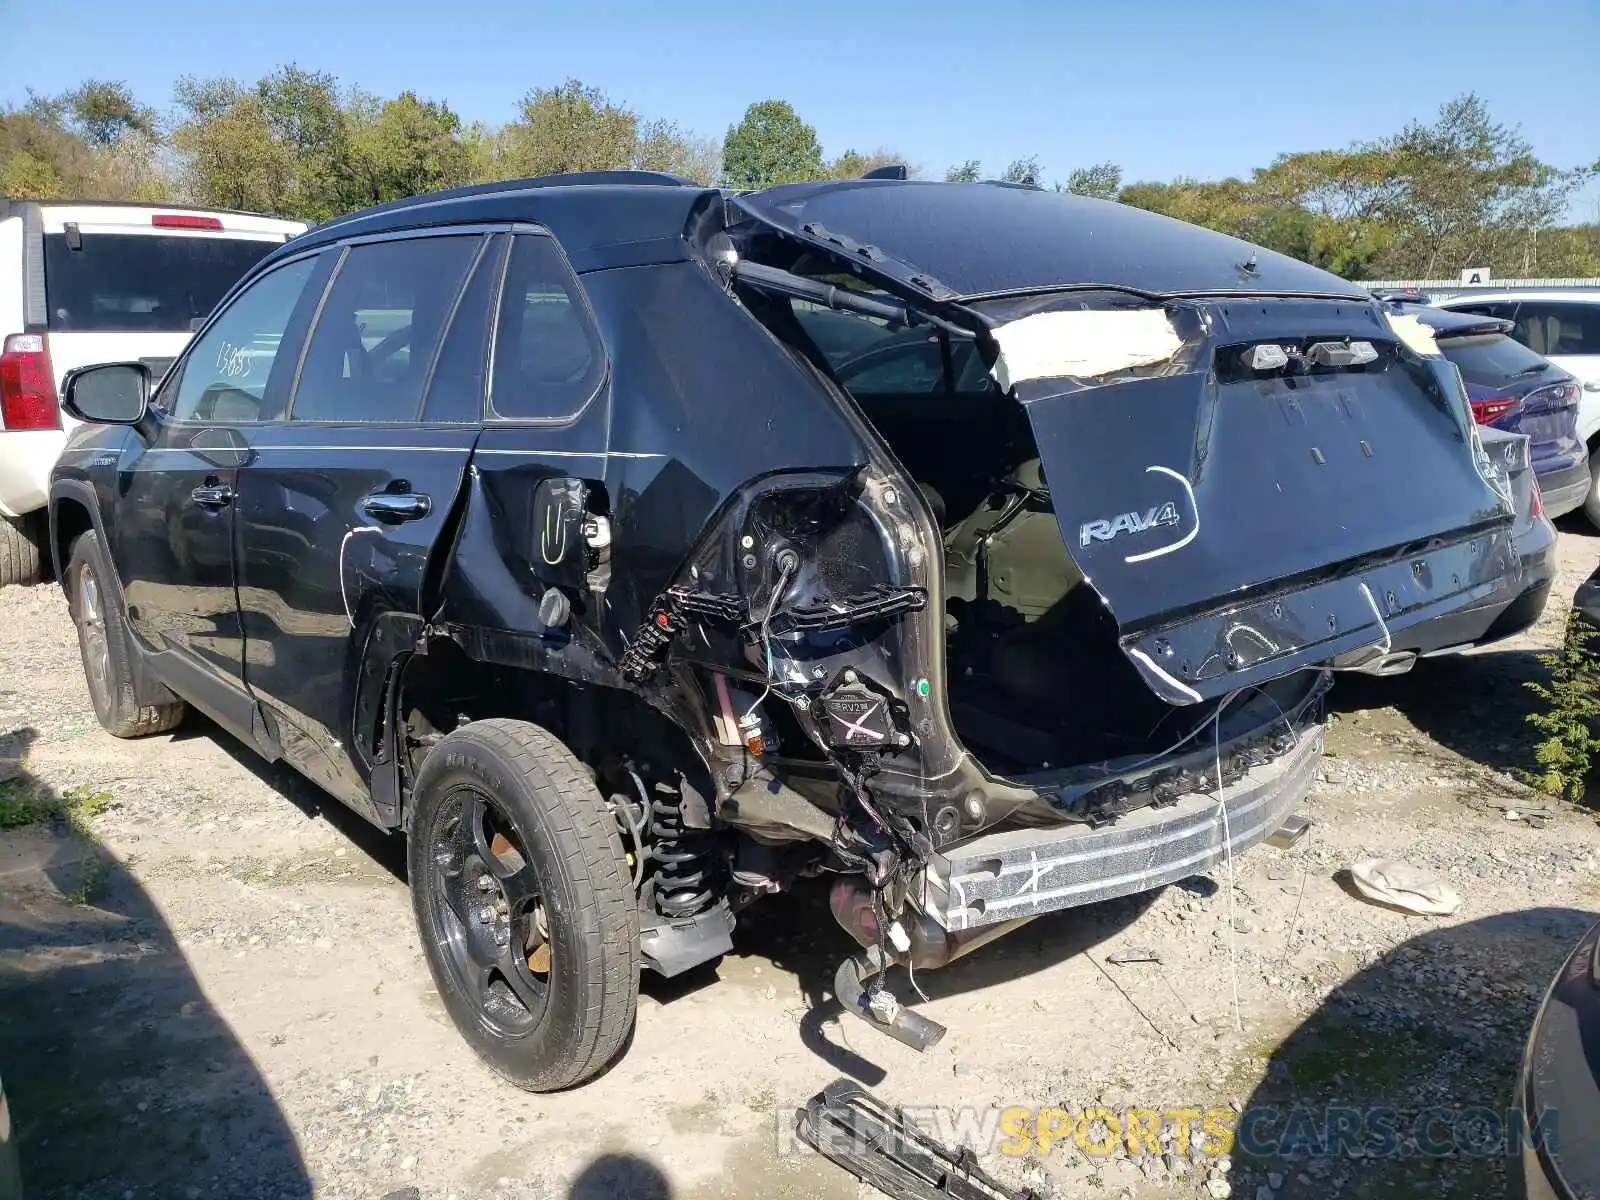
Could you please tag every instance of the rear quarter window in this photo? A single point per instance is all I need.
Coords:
(548, 358)
(139, 282)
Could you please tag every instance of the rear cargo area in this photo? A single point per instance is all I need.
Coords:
(1036, 677)
(1123, 552)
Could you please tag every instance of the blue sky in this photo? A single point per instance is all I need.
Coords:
(1163, 87)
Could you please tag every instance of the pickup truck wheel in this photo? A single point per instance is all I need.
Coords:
(1591, 504)
(527, 914)
(104, 640)
(20, 539)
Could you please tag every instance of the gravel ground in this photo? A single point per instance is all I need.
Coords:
(241, 1009)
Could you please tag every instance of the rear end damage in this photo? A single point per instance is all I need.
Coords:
(1037, 610)
(1065, 636)
(1242, 492)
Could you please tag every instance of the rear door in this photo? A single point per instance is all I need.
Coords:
(348, 489)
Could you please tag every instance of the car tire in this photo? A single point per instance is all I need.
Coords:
(106, 644)
(1591, 503)
(526, 911)
(20, 540)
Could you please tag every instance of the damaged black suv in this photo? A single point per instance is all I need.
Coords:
(639, 549)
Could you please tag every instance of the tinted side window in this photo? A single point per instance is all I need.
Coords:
(548, 359)
(1554, 328)
(141, 281)
(375, 338)
(456, 391)
(226, 371)
(1505, 310)
(872, 357)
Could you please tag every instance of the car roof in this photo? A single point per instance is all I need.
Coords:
(979, 240)
(1578, 295)
(1446, 324)
(588, 212)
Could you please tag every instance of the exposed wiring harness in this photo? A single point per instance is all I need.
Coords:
(786, 569)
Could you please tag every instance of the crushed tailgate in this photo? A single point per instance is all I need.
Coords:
(1243, 523)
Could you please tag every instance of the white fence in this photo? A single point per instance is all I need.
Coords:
(1443, 289)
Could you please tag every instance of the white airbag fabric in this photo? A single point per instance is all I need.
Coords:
(1413, 333)
(1082, 344)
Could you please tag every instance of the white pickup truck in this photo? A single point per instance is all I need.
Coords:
(96, 282)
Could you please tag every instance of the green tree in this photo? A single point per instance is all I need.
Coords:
(567, 128)
(1025, 170)
(665, 146)
(853, 164)
(967, 172)
(43, 149)
(1102, 181)
(406, 147)
(25, 177)
(231, 155)
(307, 117)
(280, 145)
(771, 145)
(104, 111)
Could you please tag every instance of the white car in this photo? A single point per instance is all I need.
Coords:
(96, 282)
(1564, 327)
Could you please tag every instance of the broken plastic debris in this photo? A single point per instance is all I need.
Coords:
(1390, 881)
(1082, 343)
(1135, 954)
(881, 1146)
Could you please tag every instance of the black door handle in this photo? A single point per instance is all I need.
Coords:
(212, 495)
(395, 507)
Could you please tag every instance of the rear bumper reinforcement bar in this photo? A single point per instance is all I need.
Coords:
(1024, 872)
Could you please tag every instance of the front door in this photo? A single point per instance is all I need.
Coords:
(349, 487)
(173, 524)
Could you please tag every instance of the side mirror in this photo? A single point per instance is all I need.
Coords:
(109, 394)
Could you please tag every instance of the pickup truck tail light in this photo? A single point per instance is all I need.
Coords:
(1491, 408)
(184, 221)
(27, 385)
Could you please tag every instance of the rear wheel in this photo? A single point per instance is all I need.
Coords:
(1591, 504)
(105, 642)
(528, 918)
(20, 542)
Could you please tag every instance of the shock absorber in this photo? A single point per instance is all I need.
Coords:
(686, 859)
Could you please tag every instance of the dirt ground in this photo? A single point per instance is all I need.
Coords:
(218, 992)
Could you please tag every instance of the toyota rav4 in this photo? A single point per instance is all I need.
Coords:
(639, 549)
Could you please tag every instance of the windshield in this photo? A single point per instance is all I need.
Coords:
(1491, 359)
(141, 282)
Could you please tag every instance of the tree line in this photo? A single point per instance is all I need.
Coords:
(1455, 191)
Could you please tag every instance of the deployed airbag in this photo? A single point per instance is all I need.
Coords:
(1414, 333)
(1082, 343)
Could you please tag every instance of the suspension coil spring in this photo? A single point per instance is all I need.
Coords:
(685, 858)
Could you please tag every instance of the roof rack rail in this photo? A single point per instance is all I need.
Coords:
(569, 179)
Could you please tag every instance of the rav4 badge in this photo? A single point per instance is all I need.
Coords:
(1128, 522)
